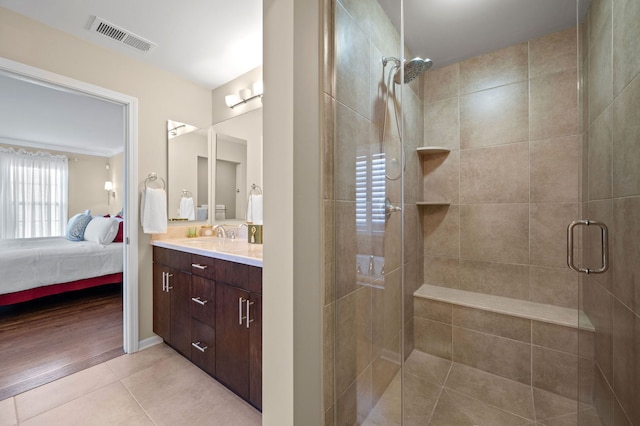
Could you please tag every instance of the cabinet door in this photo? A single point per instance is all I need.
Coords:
(161, 303)
(255, 351)
(180, 292)
(232, 339)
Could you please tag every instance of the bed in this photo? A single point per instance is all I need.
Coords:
(37, 267)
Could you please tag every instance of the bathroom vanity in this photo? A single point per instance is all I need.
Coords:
(207, 305)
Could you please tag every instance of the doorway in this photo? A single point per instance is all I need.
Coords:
(129, 185)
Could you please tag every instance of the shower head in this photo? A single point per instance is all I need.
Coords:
(413, 69)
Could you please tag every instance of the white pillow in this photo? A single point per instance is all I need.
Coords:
(101, 230)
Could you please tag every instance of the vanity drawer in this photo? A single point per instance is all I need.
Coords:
(203, 350)
(172, 258)
(231, 273)
(203, 266)
(203, 303)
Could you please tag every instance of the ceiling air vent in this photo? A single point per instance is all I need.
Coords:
(121, 35)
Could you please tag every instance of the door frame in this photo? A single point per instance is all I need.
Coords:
(130, 256)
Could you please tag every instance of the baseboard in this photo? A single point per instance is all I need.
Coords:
(151, 341)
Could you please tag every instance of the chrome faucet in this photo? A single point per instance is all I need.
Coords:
(220, 231)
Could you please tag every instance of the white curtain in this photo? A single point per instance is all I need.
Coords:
(33, 194)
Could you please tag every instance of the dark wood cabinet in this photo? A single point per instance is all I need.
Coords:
(171, 297)
(239, 330)
(210, 310)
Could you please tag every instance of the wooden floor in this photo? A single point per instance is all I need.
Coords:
(49, 338)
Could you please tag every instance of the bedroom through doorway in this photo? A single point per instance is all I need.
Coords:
(70, 317)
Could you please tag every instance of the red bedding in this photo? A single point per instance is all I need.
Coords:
(34, 293)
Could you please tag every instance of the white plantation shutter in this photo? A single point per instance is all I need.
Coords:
(370, 193)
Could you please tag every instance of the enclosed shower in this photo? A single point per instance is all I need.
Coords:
(450, 184)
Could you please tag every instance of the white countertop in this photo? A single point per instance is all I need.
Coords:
(234, 250)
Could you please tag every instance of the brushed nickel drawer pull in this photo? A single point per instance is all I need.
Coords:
(198, 347)
(197, 265)
(199, 301)
(240, 317)
(249, 303)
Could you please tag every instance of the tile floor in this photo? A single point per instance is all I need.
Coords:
(442, 393)
(155, 386)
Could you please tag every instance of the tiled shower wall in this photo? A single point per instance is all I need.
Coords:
(363, 312)
(510, 119)
(611, 67)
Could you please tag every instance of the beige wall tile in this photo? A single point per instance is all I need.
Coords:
(383, 372)
(495, 232)
(598, 306)
(550, 405)
(441, 179)
(493, 69)
(354, 405)
(441, 124)
(626, 353)
(351, 63)
(348, 245)
(553, 53)
(432, 310)
(626, 33)
(492, 323)
(555, 371)
(600, 67)
(329, 232)
(498, 174)
(499, 279)
(413, 281)
(328, 346)
(626, 134)
(353, 138)
(503, 357)
(327, 45)
(441, 83)
(432, 337)
(387, 320)
(441, 271)
(601, 211)
(603, 398)
(549, 232)
(564, 339)
(599, 14)
(413, 245)
(329, 119)
(554, 286)
(353, 351)
(554, 105)
(626, 251)
(555, 169)
(440, 228)
(600, 156)
(495, 116)
(620, 418)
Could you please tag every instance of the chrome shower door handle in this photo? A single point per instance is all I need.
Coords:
(604, 239)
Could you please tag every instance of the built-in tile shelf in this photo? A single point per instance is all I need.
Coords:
(428, 150)
(433, 203)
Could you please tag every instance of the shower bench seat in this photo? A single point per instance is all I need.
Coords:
(557, 315)
(542, 346)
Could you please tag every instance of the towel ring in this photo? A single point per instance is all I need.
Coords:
(255, 190)
(153, 178)
(186, 194)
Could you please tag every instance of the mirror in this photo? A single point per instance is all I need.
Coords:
(237, 144)
(188, 172)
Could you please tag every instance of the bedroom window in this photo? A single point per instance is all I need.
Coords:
(33, 194)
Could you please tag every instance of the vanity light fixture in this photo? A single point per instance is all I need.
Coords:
(245, 95)
(108, 186)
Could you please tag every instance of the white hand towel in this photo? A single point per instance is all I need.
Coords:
(254, 209)
(154, 211)
(187, 208)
